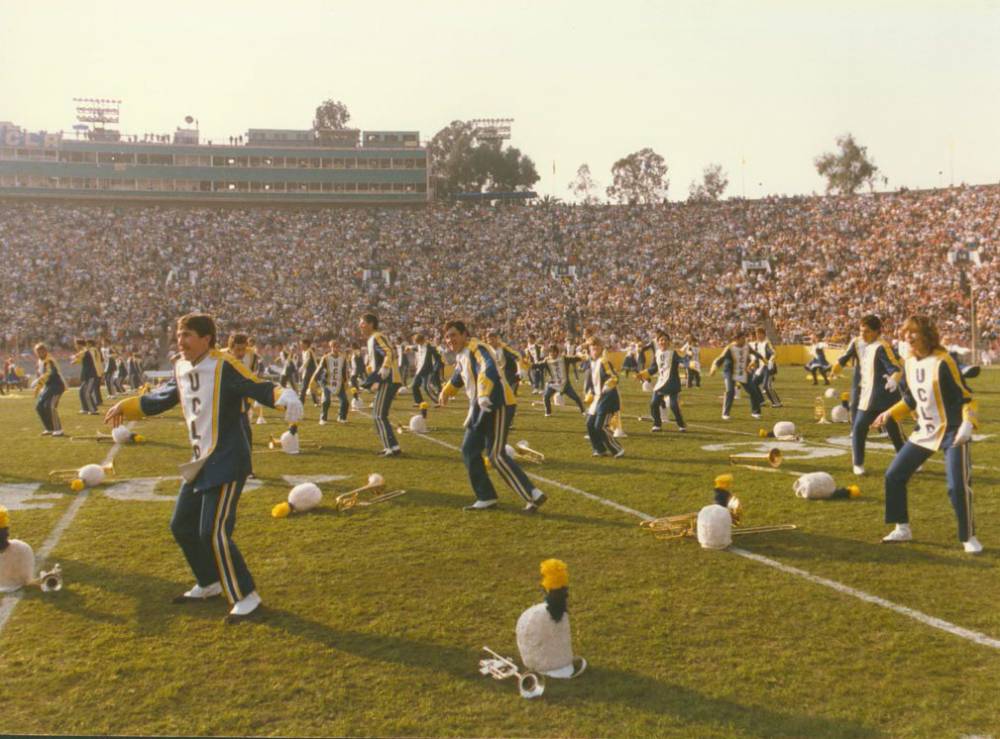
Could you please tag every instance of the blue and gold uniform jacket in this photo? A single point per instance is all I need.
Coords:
(935, 392)
(331, 371)
(558, 370)
(477, 371)
(877, 363)
(381, 357)
(601, 383)
(49, 376)
(88, 368)
(735, 360)
(666, 366)
(211, 394)
(427, 359)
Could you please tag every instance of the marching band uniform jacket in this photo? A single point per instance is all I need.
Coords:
(665, 366)
(476, 370)
(734, 360)
(211, 395)
(49, 376)
(382, 366)
(936, 391)
(877, 362)
(331, 372)
(602, 384)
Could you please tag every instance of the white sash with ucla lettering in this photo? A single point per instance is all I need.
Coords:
(199, 386)
(922, 381)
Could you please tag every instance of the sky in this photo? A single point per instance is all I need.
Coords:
(759, 87)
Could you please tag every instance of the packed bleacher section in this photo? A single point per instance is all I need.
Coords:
(126, 273)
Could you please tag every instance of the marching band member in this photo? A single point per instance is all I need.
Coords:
(331, 375)
(558, 368)
(878, 389)
(88, 376)
(855, 349)
(236, 349)
(666, 366)
(49, 387)
(95, 354)
(534, 354)
(692, 360)
(491, 401)
(509, 362)
(356, 365)
(818, 362)
(946, 416)
(134, 367)
(382, 370)
(428, 367)
(767, 367)
(604, 401)
(211, 389)
(631, 361)
(286, 361)
(734, 361)
(307, 368)
(110, 364)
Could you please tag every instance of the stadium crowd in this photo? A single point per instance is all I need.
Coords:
(126, 272)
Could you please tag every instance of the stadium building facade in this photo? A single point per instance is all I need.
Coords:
(267, 166)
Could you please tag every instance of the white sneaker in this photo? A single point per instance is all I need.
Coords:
(619, 454)
(656, 428)
(900, 533)
(57, 433)
(859, 470)
(754, 415)
(322, 422)
(480, 505)
(200, 593)
(682, 429)
(725, 417)
(243, 608)
(972, 546)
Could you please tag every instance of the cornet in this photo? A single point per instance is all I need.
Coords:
(529, 454)
(51, 581)
(372, 492)
(774, 459)
(529, 684)
(678, 527)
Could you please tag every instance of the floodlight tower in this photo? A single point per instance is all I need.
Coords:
(492, 130)
(98, 111)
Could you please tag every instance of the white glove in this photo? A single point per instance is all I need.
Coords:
(964, 434)
(292, 405)
(891, 383)
(384, 372)
(485, 405)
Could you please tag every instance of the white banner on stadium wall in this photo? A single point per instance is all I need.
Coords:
(757, 265)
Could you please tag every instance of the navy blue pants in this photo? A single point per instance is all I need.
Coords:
(328, 399)
(87, 395)
(764, 379)
(602, 440)
(859, 433)
(958, 470)
(203, 525)
(567, 390)
(489, 436)
(657, 402)
(47, 408)
(750, 388)
(380, 414)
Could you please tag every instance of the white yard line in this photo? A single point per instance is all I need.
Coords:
(937, 623)
(9, 602)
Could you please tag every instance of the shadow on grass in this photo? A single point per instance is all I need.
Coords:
(598, 685)
(809, 546)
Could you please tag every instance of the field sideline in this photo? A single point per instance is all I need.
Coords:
(375, 618)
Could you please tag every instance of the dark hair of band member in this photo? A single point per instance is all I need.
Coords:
(458, 326)
(201, 323)
(371, 319)
(662, 334)
(237, 340)
(872, 322)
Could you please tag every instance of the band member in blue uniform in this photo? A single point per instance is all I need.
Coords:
(666, 366)
(331, 375)
(535, 355)
(558, 368)
(878, 389)
(935, 391)
(428, 364)
(88, 376)
(384, 372)
(855, 348)
(307, 368)
(767, 368)
(491, 401)
(818, 363)
(734, 360)
(603, 401)
(211, 389)
(49, 387)
(692, 361)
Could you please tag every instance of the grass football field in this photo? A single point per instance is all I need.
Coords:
(375, 618)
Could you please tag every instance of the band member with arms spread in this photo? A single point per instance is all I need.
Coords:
(211, 388)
